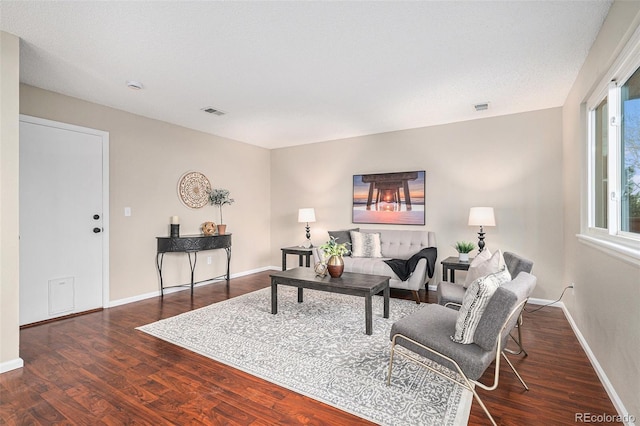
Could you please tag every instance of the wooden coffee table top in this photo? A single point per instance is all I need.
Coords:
(351, 280)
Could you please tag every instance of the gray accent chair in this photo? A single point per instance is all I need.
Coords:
(427, 333)
(451, 294)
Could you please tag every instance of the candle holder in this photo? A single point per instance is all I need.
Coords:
(175, 230)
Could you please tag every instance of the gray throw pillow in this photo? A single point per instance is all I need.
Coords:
(344, 237)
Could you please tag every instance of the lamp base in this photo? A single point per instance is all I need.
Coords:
(481, 240)
(306, 244)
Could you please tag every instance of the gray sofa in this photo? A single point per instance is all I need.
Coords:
(396, 244)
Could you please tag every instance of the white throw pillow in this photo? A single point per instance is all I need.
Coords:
(483, 265)
(365, 244)
(474, 303)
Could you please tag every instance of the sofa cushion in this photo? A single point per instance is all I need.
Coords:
(474, 304)
(344, 236)
(365, 244)
(402, 244)
(482, 265)
(434, 324)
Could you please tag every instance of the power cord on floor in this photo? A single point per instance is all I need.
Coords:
(549, 304)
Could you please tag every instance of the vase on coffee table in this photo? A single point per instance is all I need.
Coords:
(335, 266)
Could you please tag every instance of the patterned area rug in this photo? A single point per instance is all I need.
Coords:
(319, 348)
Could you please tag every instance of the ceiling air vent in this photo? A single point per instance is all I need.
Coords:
(211, 110)
(482, 107)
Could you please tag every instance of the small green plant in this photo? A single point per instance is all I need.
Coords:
(334, 248)
(464, 246)
(220, 197)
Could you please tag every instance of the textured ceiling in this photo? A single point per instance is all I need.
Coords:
(289, 73)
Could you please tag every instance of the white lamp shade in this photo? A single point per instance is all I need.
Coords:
(306, 215)
(481, 216)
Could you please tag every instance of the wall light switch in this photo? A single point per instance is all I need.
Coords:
(127, 211)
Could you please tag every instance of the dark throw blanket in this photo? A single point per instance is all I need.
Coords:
(405, 267)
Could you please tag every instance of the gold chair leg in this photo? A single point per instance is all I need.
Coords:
(515, 371)
(518, 340)
(393, 347)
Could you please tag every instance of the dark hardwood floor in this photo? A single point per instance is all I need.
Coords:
(97, 369)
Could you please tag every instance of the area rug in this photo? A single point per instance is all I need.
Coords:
(319, 348)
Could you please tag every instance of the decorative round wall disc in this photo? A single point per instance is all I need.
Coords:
(193, 190)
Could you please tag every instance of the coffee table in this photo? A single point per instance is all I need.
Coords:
(351, 283)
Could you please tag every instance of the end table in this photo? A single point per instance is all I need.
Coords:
(453, 264)
(302, 253)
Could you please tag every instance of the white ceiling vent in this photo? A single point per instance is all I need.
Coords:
(212, 110)
(482, 106)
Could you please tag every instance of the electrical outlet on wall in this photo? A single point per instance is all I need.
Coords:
(209, 259)
(573, 286)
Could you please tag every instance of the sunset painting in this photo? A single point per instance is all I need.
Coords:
(392, 198)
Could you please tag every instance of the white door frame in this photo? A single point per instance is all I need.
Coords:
(105, 189)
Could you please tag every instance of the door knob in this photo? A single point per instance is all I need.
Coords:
(96, 216)
(96, 230)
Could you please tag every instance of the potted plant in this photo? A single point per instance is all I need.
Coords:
(334, 251)
(220, 197)
(464, 248)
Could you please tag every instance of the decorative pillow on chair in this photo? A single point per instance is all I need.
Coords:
(365, 244)
(344, 237)
(482, 265)
(475, 302)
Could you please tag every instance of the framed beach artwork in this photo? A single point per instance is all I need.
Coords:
(392, 198)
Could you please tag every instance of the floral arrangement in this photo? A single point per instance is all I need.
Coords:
(333, 248)
(220, 197)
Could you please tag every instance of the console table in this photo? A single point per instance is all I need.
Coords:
(192, 244)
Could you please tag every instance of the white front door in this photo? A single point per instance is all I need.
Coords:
(61, 219)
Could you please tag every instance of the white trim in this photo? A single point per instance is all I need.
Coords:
(14, 364)
(621, 69)
(157, 293)
(550, 303)
(628, 419)
(609, 87)
(105, 188)
(626, 253)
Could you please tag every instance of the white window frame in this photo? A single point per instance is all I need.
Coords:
(621, 244)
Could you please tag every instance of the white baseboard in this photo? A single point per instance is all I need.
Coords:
(144, 296)
(14, 364)
(623, 414)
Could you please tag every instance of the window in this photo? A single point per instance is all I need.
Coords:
(630, 155)
(600, 165)
(613, 217)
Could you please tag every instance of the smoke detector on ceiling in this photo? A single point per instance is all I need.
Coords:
(212, 110)
(481, 106)
(134, 85)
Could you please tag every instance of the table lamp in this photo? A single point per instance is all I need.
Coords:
(481, 216)
(307, 215)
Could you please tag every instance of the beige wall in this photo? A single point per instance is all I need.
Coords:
(147, 157)
(607, 296)
(9, 251)
(513, 163)
(529, 166)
